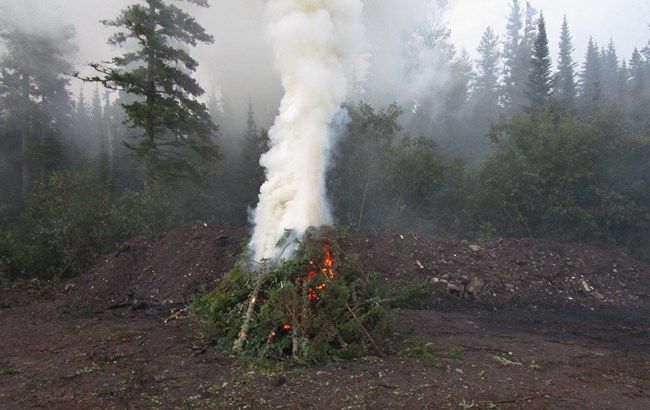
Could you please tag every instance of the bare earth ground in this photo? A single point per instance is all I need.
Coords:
(553, 326)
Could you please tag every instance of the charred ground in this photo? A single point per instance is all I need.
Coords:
(515, 324)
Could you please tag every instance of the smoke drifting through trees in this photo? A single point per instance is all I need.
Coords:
(423, 163)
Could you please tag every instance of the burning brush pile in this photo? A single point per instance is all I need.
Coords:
(318, 303)
(315, 307)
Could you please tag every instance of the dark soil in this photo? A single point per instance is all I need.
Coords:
(515, 324)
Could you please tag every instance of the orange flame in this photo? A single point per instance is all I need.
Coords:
(327, 270)
(328, 262)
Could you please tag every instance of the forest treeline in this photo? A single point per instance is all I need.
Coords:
(514, 143)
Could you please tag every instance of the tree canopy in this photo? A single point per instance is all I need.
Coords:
(156, 69)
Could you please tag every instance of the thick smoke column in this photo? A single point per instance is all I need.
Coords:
(312, 41)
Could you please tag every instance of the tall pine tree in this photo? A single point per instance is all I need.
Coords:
(511, 50)
(485, 95)
(487, 80)
(517, 51)
(35, 101)
(609, 71)
(590, 88)
(540, 79)
(175, 140)
(564, 90)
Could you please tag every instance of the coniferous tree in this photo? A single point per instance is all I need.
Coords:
(564, 90)
(540, 78)
(35, 101)
(485, 96)
(215, 108)
(530, 33)
(518, 48)
(590, 88)
(487, 80)
(176, 128)
(98, 134)
(81, 113)
(639, 93)
(82, 124)
(511, 50)
(638, 73)
(646, 49)
(609, 71)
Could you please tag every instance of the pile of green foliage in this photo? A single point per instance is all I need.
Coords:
(313, 308)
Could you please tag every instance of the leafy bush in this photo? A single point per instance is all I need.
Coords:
(74, 219)
(384, 179)
(560, 179)
(62, 229)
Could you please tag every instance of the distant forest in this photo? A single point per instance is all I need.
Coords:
(514, 143)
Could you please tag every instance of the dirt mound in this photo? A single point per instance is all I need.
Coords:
(517, 272)
(166, 269)
(181, 264)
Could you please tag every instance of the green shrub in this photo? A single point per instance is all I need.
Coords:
(74, 219)
(560, 179)
(63, 228)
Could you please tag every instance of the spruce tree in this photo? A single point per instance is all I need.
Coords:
(486, 90)
(590, 88)
(488, 64)
(609, 71)
(35, 100)
(511, 50)
(564, 90)
(540, 78)
(175, 128)
(518, 48)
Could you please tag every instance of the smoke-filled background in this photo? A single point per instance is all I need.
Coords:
(467, 118)
(239, 65)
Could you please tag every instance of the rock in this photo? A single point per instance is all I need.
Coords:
(475, 286)
(597, 295)
(419, 264)
(585, 286)
(455, 289)
(475, 248)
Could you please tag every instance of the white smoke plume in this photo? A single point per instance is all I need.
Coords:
(313, 42)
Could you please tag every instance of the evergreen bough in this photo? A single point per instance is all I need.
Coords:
(306, 308)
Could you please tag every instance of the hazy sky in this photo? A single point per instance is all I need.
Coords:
(624, 21)
(240, 62)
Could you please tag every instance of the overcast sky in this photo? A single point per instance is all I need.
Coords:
(240, 62)
(624, 21)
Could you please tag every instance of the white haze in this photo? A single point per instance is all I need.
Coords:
(623, 21)
(240, 67)
(314, 41)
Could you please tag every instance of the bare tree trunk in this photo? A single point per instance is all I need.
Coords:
(26, 177)
(151, 99)
(243, 333)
